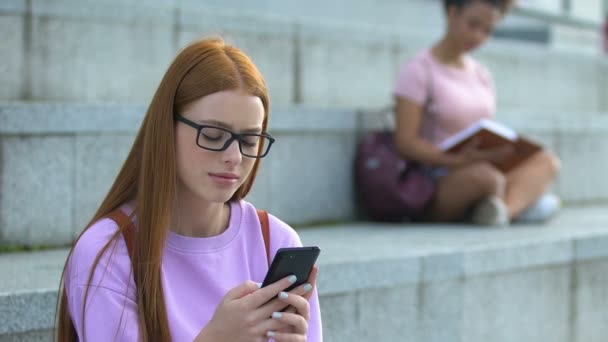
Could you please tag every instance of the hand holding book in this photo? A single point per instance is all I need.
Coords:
(473, 151)
(491, 141)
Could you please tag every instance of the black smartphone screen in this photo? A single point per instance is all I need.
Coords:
(297, 261)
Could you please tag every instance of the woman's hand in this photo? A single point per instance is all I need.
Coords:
(471, 153)
(295, 328)
(246, 314)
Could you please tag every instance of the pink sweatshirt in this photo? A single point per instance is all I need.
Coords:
(453, 98)
(196, 274)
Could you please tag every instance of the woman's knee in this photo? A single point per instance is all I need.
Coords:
(487, 178)
(552, 161)
(548, 162)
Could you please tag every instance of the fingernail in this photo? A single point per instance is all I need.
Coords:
(270, 334)
(277, 315)
(259, 285)
(283, 295)
(293, 279)
(307, 287)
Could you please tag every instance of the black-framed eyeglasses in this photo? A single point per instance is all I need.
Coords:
(214, 138)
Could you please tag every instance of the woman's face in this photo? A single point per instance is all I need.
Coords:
(471, 25)
(214, 176)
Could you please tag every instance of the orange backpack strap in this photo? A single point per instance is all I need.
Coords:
(128, 232)
(263, 215)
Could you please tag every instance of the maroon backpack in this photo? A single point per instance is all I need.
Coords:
(390, 188)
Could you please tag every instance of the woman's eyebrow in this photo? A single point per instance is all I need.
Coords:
(230, 127)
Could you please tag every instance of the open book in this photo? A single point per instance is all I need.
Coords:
(493, 134)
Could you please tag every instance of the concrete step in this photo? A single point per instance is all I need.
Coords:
(401, 282)
(579, 138)
(337, 54)
(72, 152)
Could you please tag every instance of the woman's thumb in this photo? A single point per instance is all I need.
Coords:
(242, 290)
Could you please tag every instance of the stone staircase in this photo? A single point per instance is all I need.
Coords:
(76, 77)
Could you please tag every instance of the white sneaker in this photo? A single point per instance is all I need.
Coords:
(491, 211)
(545, 208)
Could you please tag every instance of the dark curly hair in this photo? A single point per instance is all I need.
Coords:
(502, 5)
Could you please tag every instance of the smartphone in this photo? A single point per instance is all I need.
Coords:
(297, 261)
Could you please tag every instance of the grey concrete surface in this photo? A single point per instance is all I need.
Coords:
(414, 282)
(75, 150)
(117, 51)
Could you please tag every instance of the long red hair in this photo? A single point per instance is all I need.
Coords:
(202, 68)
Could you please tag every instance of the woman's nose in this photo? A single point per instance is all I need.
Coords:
(232, 153)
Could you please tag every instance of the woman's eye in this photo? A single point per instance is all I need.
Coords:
(212, 134)
(250, 141)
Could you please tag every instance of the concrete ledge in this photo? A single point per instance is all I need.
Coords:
(81, 147)
(19, 118)
(107, 10)
(12, 50)
(190, 14)
(22, 118)
(75, 150)
(268, 40)
(445, 275)
(20, 305)
(343, 54)
(532, 76)
(26, 118)
(12, 7)
(571, 20)
(456, 251)
(394, 16)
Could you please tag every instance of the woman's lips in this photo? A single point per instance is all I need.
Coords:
(224, 178)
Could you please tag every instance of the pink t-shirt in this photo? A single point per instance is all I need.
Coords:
(196, 274)
(453, 98)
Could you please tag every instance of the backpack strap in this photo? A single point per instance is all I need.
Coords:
(263, 216)
(128, 232)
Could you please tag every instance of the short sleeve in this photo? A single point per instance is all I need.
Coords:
(412, 81)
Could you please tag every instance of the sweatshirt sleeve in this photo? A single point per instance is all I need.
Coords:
(111, 311)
